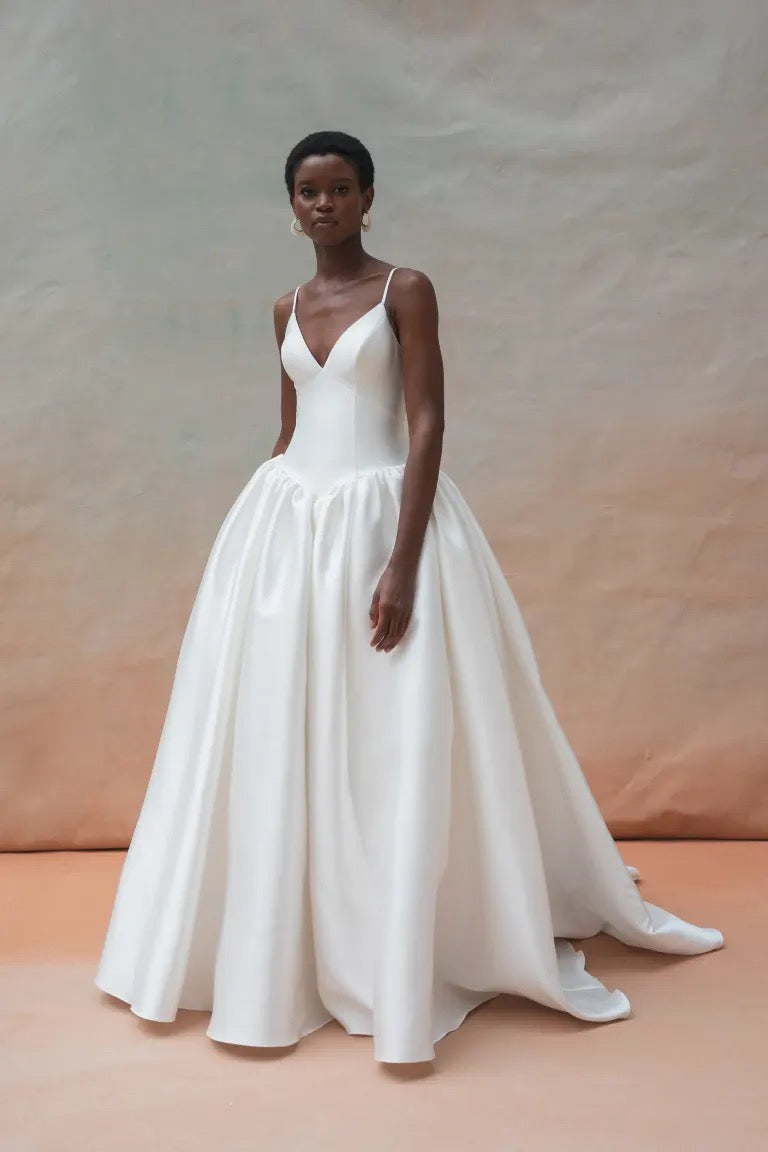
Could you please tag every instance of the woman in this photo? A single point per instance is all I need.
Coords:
(363, 806)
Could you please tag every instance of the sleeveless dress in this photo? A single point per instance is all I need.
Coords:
(331, 832)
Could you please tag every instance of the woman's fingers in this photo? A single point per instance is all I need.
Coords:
(403, 629)
(395, 627)
(395, 633)
(382, 625)
(389, 619)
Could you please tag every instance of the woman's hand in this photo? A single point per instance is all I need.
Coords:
(392, 606)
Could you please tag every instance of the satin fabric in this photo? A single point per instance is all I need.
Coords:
(387, 839)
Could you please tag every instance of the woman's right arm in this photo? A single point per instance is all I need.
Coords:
(281, 312)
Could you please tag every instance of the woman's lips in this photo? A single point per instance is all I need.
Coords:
(322, 223)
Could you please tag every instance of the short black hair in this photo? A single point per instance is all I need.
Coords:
(325, 143)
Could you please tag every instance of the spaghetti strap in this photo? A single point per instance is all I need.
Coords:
(386, 286)
(293, 310)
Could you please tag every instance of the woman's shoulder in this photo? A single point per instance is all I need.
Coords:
(411, 288)
(284, 302)
(410, 277)
(281, 310)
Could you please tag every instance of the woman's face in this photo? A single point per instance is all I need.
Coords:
(327, 199)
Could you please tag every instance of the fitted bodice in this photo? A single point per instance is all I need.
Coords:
(350, 416)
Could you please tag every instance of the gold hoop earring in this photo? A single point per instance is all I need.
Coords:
(366, 224)
(296, 227)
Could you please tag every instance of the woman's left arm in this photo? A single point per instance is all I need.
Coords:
(416, 314)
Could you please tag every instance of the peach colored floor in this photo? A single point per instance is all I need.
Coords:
(687, 1073)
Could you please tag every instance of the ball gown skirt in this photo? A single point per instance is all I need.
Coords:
(331, 832)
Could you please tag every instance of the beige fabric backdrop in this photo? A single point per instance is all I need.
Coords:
(586, 183)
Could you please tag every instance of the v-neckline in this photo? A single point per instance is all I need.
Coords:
(343, 333)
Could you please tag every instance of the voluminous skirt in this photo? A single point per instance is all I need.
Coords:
(387, 839)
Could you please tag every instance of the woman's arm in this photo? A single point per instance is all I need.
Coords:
(281, 312)
(414, 304)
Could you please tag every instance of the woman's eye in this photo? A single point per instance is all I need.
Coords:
(310, 191)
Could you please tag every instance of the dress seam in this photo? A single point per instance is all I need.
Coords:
(338, 485)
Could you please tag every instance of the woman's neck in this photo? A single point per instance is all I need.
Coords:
(343, 262)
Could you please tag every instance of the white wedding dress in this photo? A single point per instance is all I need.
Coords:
(387, 839)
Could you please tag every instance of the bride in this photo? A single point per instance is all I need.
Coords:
(362, 806)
